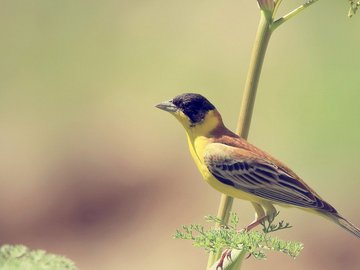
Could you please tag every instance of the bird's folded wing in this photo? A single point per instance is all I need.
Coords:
(259, 176)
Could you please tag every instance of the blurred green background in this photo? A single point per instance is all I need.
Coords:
(90, 169)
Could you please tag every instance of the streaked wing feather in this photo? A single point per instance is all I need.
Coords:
(264, 179)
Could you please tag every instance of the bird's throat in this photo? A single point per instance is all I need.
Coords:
(211, 122)
(199, 135)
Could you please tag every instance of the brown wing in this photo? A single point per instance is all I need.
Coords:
(259, 176)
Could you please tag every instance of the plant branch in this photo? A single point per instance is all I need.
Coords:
(256, 61)
(223, 215)
(238, 242)
(257, 58)
(291, 14)
(277, 5)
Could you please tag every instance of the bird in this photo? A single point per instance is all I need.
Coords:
(233, 166)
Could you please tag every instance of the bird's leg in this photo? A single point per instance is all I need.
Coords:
(270, 210)
(255, 223)
(259, 216)
(270, 214)
(226, 254)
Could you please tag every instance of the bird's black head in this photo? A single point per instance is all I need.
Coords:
(194, 106)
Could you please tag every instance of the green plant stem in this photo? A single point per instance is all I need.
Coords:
(257, 58)
(277, 5)
(291, 14)
(223, 214)
(253, 76)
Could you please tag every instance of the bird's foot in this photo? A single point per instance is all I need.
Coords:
(225, 255)
(255, 223)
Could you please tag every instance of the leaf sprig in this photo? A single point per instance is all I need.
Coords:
(228, 237)
(269, 227)
(19, 257)
(354, 6)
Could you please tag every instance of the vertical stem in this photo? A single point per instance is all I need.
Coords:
(223, 214)
(256, 61)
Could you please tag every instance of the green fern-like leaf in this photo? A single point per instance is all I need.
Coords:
(255, 243)
(354, 6)
(19, 257)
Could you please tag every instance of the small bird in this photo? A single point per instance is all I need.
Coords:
(238, 169)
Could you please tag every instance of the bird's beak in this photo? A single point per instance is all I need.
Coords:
(167, 106)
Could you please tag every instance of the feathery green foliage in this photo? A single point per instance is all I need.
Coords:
(228, 237)
(269, 227)
(354, 6)
(19, 257)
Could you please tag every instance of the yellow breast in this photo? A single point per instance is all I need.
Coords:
(197, 148)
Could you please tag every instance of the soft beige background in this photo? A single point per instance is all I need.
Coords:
(90, 169)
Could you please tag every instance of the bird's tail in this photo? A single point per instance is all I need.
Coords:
(346, 224)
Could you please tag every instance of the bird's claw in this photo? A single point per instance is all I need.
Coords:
(226, 254)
